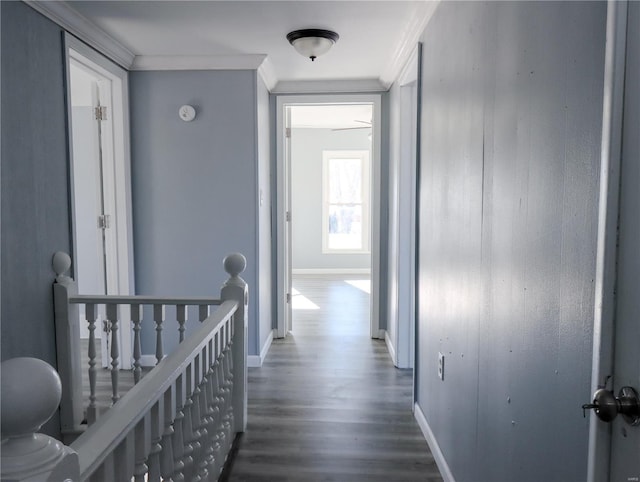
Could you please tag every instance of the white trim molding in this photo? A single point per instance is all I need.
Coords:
(438, 456)
(328, 86)
(390, 348)
(268, 74)
(198, 62)
(84, 29)
(256, 361)
(419, 20)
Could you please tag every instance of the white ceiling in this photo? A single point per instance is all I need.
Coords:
(375, 36)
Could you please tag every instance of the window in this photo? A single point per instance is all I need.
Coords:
(345, 202)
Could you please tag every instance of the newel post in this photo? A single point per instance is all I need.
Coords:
(67, 346)
(29, 396)
(235, 288)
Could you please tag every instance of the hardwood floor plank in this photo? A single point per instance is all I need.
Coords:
(328, 405)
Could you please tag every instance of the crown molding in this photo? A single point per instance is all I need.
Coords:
(268, 74)
(78, 25)
(198, 62)
(328, 86)
(411, 36)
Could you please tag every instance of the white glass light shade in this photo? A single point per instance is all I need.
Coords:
(312, 42)
(312, 47)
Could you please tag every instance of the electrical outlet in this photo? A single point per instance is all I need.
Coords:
(440, 366)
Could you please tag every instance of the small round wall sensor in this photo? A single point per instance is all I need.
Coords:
(187, 113)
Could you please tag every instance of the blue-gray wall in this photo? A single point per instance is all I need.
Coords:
(511, 125)
(35, 221)
(307, 146)
(194, 184)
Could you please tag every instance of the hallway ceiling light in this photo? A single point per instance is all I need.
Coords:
(312, 42)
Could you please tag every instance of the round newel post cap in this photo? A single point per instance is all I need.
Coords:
(30, 393)
(61, 263)
(234, 264)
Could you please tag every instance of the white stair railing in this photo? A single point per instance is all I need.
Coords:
(177, 423)
(68, 304)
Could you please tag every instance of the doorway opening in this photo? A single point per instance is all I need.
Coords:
(100, 180)
(328, 204)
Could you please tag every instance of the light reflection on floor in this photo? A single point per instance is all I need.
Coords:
(361, 284)
(300, 302)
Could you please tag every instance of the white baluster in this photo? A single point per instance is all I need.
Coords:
(187, 428)
(136, 318)
(218, 404)
(228, 388)
(181, 316)
(158, 317)
(211, 413)
(141, 451)
(203, 312)
(156, 448)
(112, 318)
(194, 412)
(200, 419)
(124, 458)
(30, 392)
(223, 396)
(91, 313)
(166, 459)
(178, 438)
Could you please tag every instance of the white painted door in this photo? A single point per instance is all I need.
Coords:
(615, 446)
(99, 155)
(625, 439)
(92, 216)
(288, 284)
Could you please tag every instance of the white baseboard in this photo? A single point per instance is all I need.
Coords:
(255, 361)
(148, 361)
(391, 348)
(438, 456)
(365, 271)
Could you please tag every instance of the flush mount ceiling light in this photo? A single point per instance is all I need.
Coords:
(312, 42)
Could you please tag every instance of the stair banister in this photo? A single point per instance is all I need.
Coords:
(235, 288)
(29, 396)
(68, 345)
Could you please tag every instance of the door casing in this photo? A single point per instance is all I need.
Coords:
(283, 228)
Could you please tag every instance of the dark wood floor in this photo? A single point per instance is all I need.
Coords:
(328, 405)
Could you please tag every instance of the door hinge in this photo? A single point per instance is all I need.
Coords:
(100, 113)
(287, 132)
(104, 221)
(288, 216)
(288, 297)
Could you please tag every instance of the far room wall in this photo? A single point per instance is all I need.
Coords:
(196, 189)
(307, 146)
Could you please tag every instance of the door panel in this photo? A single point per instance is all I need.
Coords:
(625, 439)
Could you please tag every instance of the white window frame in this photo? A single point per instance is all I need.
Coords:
(365, 158)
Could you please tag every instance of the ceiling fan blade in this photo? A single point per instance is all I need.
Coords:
(350, 128)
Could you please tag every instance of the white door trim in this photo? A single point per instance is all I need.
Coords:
(604, 309)
(123, 283)
(281, 226)
(402, 312)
